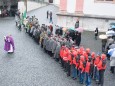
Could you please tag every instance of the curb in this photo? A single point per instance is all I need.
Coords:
(42, 7)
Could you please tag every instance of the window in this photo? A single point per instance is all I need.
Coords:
(106, 1)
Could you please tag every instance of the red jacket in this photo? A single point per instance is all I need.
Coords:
(85, 55)
(74, 52)
(82, 59)
(87, 68)
(65, 53)
(97, 59)
(61, 51)
(99, 66)
(74, 60)
(81, 67)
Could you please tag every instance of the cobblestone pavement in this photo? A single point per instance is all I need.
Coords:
(30, 66)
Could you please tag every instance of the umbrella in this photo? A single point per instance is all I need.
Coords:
(113, 54)
(112, 23)
(112, 46)
(103, 36)
(72, 28)
(64, 29)
(110, 51)
(113, 26)
(110, 33)
(80, 29)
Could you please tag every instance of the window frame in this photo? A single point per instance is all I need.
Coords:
(112, 2)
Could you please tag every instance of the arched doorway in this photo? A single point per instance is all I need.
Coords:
(50, 1)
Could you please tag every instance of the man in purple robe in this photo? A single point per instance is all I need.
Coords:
(9, 44)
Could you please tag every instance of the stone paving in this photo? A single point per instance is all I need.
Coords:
(30, 66)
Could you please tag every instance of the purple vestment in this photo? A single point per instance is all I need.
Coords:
(9, 41)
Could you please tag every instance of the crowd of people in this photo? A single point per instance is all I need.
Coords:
(77, 62)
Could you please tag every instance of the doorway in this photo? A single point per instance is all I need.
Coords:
(50, 1)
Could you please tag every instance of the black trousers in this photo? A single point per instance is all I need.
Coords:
(62, 63)
(112, 69)
(68, 69)
(101, 77)
(65, 66)
(103, 48)
(50, 53)
(92, 71)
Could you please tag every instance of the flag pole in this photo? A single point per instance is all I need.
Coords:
(26, 5)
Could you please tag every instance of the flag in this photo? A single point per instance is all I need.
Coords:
(24, 15)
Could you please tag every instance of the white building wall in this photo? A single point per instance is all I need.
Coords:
(46, 0)
(71, 6)
(61, 21)
(57, 2)
(30, 5)
(87, 23)
(95, 8)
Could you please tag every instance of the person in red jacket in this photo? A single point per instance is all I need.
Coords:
(88, 71)
(101, 67)
(61, 55)
(87, 53)
(96, 72)
(65, 58)
(82, 69)
(92, 62)
(78, 62)
(73, 65)
(69, 63)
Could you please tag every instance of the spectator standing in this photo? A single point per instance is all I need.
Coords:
(96, 33)
(101, 67)
(112, 64)
(77, 24)
(51, 21)
(47, 14)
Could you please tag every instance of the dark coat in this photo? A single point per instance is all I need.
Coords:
(77, 24)
(57, 51)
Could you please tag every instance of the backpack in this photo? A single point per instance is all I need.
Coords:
(104, 62)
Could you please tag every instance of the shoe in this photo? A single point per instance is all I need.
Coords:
(74, 78)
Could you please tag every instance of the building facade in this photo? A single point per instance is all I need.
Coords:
(8, 7)
(91, 13)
